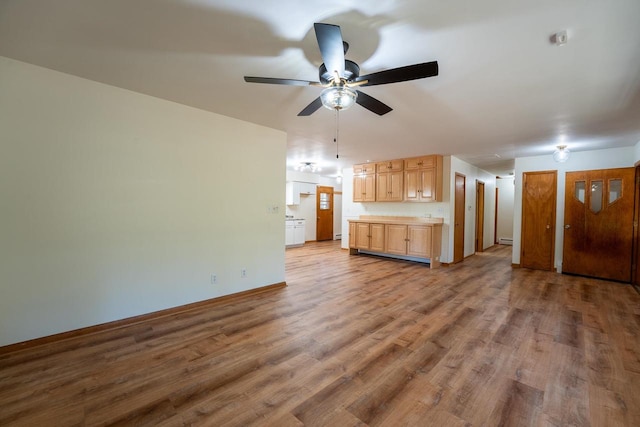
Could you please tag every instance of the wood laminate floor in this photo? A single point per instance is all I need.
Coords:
(355, 341)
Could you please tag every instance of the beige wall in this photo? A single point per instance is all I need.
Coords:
(115, 204)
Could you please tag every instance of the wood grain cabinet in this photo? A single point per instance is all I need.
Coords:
(397, 238)
(423, 179)
(410, 240)
(418, 179)
(367, 236)
(389, 181)
(364, 183)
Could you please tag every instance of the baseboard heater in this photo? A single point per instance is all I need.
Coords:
(505, 241)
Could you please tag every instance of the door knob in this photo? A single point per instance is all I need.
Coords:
(567, 226)
(548, 226)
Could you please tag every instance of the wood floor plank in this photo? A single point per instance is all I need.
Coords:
(354, 340)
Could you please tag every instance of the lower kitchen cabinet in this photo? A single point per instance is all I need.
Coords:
(294, 233)
(409, 240)
(369, 236)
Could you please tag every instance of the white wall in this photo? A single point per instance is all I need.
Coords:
(584, 160)
(472, 174)
(116, 204)
(444, 209)
(506, 193)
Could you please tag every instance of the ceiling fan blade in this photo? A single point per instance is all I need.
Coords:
(311, 108)
(331, 48)
(401, 74)
(372, 104)
(274, 81)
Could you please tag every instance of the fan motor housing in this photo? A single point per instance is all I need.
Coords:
(351, 71)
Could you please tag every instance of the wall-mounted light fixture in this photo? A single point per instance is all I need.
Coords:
(561, 154)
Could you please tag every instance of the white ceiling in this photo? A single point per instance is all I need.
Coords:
(504, 89)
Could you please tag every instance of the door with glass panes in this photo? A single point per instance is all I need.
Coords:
(598, 223)
(324, 212)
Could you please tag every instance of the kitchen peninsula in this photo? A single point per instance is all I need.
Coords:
(411, 238)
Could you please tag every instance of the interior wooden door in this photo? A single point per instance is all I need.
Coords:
(458, 221)
(598, 223)
(635, 260)
(479, 216)
(538, 219)
(324, 213)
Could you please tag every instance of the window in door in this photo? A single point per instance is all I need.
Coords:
(325, 202)
(596, 196)
(579, 191)
(615, 190)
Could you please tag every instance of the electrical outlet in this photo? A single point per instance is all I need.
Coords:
(243, 272)
(214, 279)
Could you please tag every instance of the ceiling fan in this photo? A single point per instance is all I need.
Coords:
(339, 76)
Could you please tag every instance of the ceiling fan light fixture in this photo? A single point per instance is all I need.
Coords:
(338, 97)
(561, 154)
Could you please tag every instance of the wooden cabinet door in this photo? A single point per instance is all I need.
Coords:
(395, 181)
(362, 235)
(412, 185)
(358, 188)
(376, 241)
(428, 185)
(369, 188)
(419, 241)
(390, 166)
(389, 186)
(383, 192)
(352, 234)
(396, 239)
(364, 169)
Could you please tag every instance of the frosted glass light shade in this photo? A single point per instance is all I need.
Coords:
(561, 154)
(338, 98)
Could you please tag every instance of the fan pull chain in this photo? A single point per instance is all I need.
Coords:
(337, 134)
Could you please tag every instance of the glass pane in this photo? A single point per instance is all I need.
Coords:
(579, 191)
(596, 196)
(325, 203)
(615, 190)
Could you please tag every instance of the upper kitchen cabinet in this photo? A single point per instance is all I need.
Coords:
(418, 179)
(364, 169)
(295, 189)
(423, 179)
(389, 181)
(364, 183)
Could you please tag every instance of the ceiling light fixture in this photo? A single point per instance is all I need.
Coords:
(308, 167)
(338, 97)
(561, 154)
